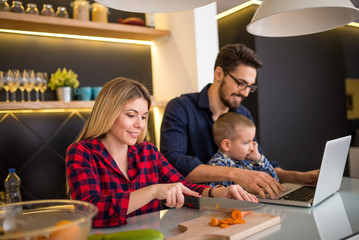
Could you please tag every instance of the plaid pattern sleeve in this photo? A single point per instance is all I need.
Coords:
(222, 159)
(94, 177)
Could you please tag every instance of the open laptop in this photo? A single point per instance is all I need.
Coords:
(329, 181)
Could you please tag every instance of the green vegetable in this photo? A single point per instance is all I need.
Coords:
(144, 234)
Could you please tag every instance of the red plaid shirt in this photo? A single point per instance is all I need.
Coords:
(94, 177)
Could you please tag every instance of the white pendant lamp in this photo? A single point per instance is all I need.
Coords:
(285, 18)
(154, 6)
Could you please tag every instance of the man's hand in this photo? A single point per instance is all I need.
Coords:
(256, 182)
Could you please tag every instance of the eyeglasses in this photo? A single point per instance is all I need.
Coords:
(242, 84)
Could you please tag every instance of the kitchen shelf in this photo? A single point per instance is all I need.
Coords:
(57, 105)
(28, 22)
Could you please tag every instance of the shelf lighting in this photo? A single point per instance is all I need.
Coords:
(257, 2)
(81, 37)
(54, 110)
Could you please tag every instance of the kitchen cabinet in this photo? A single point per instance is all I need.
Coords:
(28, 22)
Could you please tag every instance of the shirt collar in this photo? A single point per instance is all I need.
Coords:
(203, 100)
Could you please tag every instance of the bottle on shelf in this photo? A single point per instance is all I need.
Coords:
(47, 10)
(32, 9)
(12, 186)
(62, 12)
(17, 7)
(81, 10)
(4, 6)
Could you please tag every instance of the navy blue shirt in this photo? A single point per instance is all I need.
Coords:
(186, 131)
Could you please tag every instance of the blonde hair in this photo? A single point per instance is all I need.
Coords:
(108, 105)
(227, 125)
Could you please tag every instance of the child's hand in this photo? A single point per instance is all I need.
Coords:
(254, 155)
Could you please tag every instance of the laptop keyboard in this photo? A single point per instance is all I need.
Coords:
(304, 193)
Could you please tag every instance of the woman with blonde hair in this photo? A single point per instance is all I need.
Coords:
(111, 166)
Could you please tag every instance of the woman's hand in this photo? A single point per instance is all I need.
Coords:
(234, 192)
(173, 193)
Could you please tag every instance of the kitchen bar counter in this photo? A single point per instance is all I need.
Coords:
(335, 218)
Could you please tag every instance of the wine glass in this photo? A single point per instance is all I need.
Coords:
(37, 85)
(1, 79)
(29, 81)
(6, 85)
(22, 84)
(14, 82)
(43, 86)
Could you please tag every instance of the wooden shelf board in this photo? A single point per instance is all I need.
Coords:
(28, 22)
(58, 105)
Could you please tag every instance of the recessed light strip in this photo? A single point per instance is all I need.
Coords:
(237, 8)
(353, 24)
(71, 36)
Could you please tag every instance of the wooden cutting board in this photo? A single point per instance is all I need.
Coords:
(199, 228)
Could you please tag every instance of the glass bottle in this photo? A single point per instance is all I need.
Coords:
(4, 6)
(99, 13)
(47, 10)
(62, 12)
(17, 7)
(81, 10)
(32, 9)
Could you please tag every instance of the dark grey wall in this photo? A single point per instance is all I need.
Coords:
(94, 62)
(300, 103)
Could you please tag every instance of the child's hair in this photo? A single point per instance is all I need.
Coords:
(226, 126)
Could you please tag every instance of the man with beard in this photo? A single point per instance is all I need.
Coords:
(186, 131)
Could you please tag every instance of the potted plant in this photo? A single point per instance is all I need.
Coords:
(63, 81)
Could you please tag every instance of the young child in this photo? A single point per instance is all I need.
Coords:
(234, 133)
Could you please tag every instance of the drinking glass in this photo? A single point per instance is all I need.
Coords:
(43, 86)
(14, 82)
(29, 81)
(6, 85)
(22, 84)
(37, 85)
(1, 79)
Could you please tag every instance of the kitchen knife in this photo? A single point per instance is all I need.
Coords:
(219, 204)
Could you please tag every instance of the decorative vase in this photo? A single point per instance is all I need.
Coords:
(64, 94)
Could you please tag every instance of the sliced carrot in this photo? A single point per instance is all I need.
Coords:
(230, 221)
(239, 221)
(223, 225)
(214, 222)
(223, 221)
(237, 214)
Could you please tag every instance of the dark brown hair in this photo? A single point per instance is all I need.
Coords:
(232, 55)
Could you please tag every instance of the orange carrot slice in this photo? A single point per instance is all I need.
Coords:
(237, 214)
(223, 225)
(214, 222)
(239, 221)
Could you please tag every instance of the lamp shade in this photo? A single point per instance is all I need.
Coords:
(285, 18)
(154, 6)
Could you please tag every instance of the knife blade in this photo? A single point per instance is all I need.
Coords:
(219, 204)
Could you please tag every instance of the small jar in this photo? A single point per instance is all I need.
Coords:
(47, 10)
(32, 9)
(62, 12)
(4, 6)
(99, 13)
(17, 7)
(81, 10)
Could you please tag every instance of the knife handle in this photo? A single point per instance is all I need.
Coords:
(193, 201)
